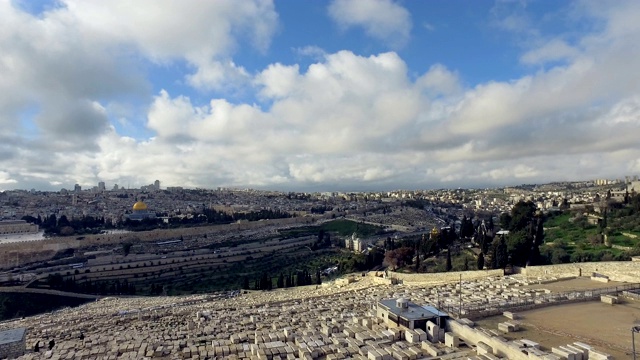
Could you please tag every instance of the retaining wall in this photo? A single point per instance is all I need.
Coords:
(448, 277)
(624, 271)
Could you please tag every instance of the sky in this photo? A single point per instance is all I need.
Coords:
(302, 95)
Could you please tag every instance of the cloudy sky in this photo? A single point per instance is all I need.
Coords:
(317, 95)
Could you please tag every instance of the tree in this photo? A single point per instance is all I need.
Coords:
(449, 265)
(391, 259)
(245, 283)
(265, 282)
(126, 248)
(417, 256)
(501, 254)
(280, 283)
(521, 215)
(481, 261)
(318, 278)
(505, 221)
(466, 228)
(63, 221)
(602, 224)
(559, 256)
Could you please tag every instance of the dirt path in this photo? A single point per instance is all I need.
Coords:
(606, 327)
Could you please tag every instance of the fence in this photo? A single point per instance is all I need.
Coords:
(480, 310)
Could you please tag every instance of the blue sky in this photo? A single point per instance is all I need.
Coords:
(317, 95)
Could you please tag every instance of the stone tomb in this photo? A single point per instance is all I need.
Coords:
(12, 343)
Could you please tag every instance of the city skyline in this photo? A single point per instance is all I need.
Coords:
(307, 96)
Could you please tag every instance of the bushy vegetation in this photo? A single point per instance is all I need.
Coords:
(533, 238)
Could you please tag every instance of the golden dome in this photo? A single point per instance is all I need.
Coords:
(139, 206)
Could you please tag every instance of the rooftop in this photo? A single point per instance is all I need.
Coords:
(12, 335)
(413, 311)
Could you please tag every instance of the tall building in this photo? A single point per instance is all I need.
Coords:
(157, 184)
(101, 186)
(77, 188)
(115, 187)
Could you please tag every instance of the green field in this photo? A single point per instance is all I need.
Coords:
(569, 237)
(341, 227)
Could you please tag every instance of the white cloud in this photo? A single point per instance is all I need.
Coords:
(554, 50)
(205, 33)
(428, 26)
(312, 51)
(6, 179)
(384, 20)
(218, 75)
(439, 81)
(278, 80)
(345, 121)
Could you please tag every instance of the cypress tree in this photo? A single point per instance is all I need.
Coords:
(417, 256)
(481, 261)
(501, 254)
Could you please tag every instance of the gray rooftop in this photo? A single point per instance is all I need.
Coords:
(12, 335)
(413, 312)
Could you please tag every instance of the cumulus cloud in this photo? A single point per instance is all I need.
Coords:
(554, 50)
(346, 121)
(384, 20)
(204, 33)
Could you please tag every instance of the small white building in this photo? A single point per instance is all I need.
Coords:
(402, 312)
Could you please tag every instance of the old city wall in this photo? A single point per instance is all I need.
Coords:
(20, 253)
(625, 271)
(436, 278)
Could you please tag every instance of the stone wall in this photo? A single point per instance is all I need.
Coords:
(472, 336)
(13, 349)
(625, 271)
(436, 278)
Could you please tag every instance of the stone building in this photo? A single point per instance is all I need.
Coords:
(403, 312)
(10, 227)
(12, 343)
(140, 211)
